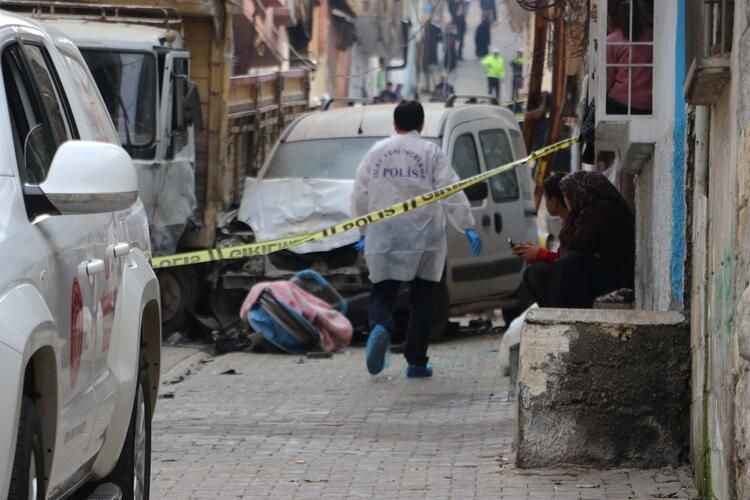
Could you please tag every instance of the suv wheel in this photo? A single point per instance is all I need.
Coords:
(27, 482)
(133, 470)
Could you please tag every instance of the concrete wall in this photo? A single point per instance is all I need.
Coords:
(720, 296)
(603, 388)
(659, 186)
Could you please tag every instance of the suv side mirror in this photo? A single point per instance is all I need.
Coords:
(89, 177)
(477, 192)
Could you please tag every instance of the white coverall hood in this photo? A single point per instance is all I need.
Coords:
(412, 245)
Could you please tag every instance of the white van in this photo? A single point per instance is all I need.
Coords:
(307, 182)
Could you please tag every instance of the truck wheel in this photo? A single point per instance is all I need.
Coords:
(27, 481)
(133, 470)
(179, 295)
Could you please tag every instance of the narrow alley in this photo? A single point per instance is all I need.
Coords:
(264, 426)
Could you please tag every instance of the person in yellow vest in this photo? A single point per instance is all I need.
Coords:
(494, 66)
(517, 66)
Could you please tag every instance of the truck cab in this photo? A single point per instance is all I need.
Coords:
(143, 75)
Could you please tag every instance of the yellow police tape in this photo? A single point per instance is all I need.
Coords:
(271, 246)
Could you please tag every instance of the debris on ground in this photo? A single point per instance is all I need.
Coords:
(176, 339)
(231, 371)
(233, 338)
(319, 355)
(300, 315)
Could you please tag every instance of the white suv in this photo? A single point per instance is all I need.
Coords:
(79, 302)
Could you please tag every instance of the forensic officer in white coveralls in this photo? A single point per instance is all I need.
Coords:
(411, 248)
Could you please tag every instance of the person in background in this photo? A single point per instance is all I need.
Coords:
(412, 248)
(399, 92)
(482, 37)
(450, 48)
(489, 7)
(494, 67)
(556, 207)
(597, 246)
(442, 91)
(388, 95)
(640, 86)
(517, 68)
(457, 9)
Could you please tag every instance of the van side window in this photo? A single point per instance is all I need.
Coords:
(36, 134)
(465, 157)
(497, 151)
(527, 181)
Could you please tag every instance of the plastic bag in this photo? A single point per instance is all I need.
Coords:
(511, 337)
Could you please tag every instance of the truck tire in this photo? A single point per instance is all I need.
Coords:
(179, 295)
(27, 481)
(133, 470)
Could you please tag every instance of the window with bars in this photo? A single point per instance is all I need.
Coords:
(629, 57)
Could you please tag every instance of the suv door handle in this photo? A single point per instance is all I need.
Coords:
(498, 223)
(486, 221)
(94, 267)
(120, 249)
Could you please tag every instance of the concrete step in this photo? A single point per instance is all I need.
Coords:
(106, 491)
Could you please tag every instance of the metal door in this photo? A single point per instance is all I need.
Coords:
(496, 270)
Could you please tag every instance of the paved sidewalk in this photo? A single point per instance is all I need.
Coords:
(285, 427)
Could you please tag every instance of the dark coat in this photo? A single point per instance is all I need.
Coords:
(482, 39)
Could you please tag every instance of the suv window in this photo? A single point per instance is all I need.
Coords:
(96, 112)
(37, 118)
(465, 157)
(40, 66)
(497, 151)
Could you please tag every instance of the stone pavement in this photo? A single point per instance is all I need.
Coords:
(255, 426)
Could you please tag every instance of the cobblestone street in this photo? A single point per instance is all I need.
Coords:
(255, 426)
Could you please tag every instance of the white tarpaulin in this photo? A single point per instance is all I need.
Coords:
(275, 208)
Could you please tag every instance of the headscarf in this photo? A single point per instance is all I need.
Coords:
(600, 222)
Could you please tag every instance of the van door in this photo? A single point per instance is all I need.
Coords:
(508, 209)
(174, 89)
(495, 271)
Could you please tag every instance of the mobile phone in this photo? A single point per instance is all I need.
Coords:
(511, 243)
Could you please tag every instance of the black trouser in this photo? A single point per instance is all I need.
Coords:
(493, 86)
(574, 281)
(461, 28)
(422, 297)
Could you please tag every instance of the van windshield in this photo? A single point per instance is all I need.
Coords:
(320, 159)
(127, 82)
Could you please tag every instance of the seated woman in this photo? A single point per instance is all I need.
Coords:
(556, 208)
(598, 246)
(597, 254)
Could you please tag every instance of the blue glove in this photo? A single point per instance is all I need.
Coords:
(360, 245)
(474, 241)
